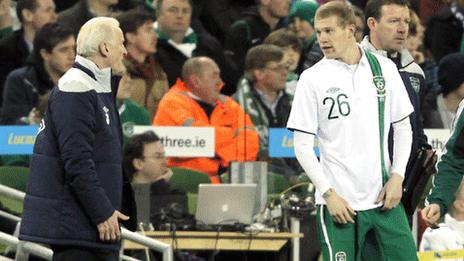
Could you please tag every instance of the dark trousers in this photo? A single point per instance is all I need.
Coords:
(75, 253)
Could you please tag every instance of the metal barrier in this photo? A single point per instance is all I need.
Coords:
(12, 193)
(24, 248)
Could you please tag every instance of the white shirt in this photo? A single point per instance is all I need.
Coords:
(338, 103)
(450, 236)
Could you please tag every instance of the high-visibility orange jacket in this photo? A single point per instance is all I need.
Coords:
(235, 134)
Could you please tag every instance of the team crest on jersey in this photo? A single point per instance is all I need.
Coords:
(340, 256)
(415, 83)
(379, 83)
(333, 90)
(107, 116)
(128, 128)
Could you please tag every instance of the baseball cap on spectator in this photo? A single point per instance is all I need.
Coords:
(305, 10)
(451, 72)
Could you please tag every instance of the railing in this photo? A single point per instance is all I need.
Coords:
(164, 248)
(24, 248)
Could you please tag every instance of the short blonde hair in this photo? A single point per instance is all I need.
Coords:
(94, 32)
(342, 10)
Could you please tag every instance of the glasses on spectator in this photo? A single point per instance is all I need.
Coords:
(277, 68)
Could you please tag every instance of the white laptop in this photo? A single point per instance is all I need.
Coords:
(220, 204)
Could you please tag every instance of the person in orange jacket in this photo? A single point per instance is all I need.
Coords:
(196, 101)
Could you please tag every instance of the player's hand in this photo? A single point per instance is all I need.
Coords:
(391, 192)
(431, 215)
(339, 209)
(109, 229)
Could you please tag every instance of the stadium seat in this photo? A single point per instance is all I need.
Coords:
(187, 179)
(16, 178)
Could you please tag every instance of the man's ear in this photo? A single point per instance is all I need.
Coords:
(103, 48)
(258, 74)
(371, 23)
(28, 16)
(44, 54)
(194, 81)
(352, 28)
(130, 38)
(138, 164)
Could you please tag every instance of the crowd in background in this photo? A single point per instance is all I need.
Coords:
(260, 48)
(228, 64)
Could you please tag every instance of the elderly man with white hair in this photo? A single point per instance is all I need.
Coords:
(77, 192)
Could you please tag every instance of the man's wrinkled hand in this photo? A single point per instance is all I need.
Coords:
(391, 192)
(109, 230)
(431, 215)
(339, 209)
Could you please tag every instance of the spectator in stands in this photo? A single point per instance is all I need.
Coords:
(196, 102)
(415, 38)
(388, 39)
(15, 48)
(177, 42)
(84, 10)
(450, 234)
(445, 31)
(258, 22)
(451, 79)
(431, 88)
(130, 112)
(292, 48)
(148, 79)
(6, 21)
(77, 192)
(360, 23)
(302, 23)
(27, 88)
(262, 95)
(145, 163)
(217, 16)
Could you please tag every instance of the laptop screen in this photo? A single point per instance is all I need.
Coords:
(220, 204)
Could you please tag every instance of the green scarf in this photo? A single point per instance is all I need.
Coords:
(254, 108)
(190, 35)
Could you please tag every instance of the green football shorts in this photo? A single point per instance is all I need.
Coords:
(344, 242)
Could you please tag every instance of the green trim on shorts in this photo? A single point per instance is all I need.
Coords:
(345, 242)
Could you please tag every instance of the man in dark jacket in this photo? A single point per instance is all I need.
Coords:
(145, 164)
(28, 87)
(77, 191)
(15, 48)
(257, 24)
(83, 11)
(445, 31)
(177, 42)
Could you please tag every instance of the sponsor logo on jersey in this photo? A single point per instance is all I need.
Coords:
(340, 256)
(333, 90)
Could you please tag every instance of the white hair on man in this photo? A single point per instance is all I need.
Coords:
(94, 32)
